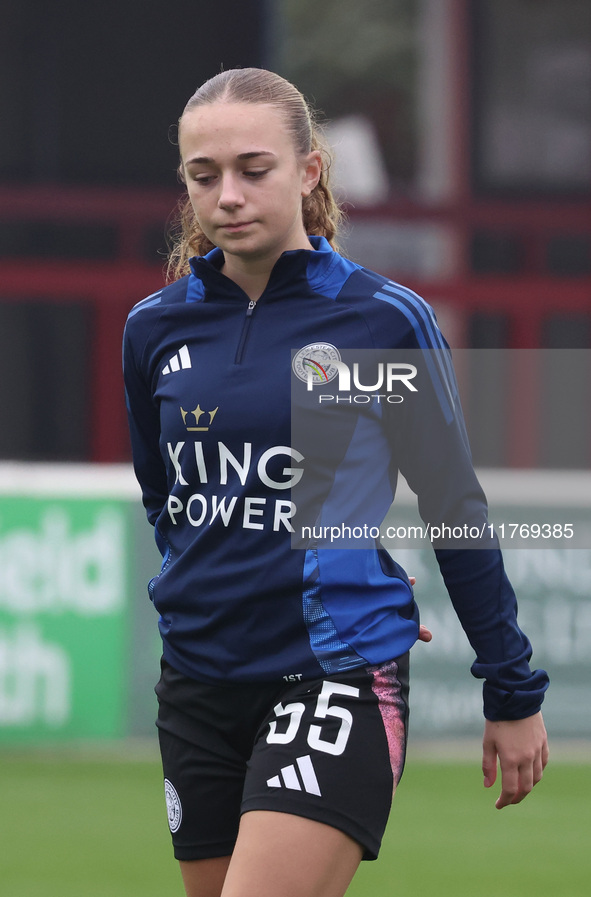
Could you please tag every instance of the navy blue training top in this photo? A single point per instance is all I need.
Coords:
(209, 386)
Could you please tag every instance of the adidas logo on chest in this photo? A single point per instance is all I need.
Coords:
(181, 360)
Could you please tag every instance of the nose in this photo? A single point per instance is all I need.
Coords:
(230, 193)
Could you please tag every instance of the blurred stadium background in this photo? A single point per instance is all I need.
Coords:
(463, 137)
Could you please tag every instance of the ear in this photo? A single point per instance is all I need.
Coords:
(312, 172)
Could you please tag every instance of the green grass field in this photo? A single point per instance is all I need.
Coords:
(79, 824)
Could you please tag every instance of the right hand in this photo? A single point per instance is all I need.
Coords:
(425, 635)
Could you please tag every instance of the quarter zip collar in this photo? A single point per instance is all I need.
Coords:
(289, 276)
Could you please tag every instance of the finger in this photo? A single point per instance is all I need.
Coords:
(412, 580)
(541, 761)
(489, 765)
(517, 782)
(425, 635)
(538, 769)
(509, 788)
(525, 782)
(530, 773)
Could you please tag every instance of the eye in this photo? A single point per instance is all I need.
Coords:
(203, 179)
(255, 173)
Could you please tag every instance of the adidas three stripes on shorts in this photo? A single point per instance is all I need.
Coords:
(329, 749)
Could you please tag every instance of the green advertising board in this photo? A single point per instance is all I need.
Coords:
(64, 617)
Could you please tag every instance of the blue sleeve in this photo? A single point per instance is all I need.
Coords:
(485, 603)
(433, 454)
(144, 428)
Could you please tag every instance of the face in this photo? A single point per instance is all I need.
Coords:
(245, 180)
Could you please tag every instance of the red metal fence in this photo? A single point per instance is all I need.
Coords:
(110, 285)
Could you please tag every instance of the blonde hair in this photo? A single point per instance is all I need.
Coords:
(321, 212)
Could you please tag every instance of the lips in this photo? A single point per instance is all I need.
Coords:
(236, 226)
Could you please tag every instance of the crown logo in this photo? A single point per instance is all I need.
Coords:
(196, 415)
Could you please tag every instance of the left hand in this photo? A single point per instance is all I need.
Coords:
(521, 748)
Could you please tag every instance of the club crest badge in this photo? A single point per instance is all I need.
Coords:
(315, 362)
(173, 806)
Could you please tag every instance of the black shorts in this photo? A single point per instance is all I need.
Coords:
(329, 749)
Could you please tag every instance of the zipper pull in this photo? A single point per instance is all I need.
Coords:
(250, 308)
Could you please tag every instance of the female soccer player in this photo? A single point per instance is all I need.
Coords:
(283, 694)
